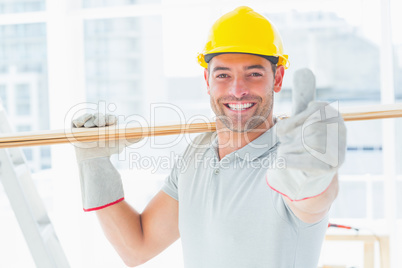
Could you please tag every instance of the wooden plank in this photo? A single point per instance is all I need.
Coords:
(372, 112)
(95, 134)
(50, 137)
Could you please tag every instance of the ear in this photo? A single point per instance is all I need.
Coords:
(280, 72)
(206, 77)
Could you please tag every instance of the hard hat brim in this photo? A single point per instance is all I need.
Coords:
(272, 59)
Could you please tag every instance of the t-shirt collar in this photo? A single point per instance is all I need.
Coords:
(259, 146)
(254, 149)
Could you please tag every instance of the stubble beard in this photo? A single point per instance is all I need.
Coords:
(260, 116)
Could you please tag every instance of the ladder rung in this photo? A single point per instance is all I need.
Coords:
(16, 155)
(21, 170)
(46, 230)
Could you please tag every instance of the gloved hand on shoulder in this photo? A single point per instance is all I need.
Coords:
(101, 184)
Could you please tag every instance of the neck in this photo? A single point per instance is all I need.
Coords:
(230, 141)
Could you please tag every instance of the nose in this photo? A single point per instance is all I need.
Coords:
(239, 88)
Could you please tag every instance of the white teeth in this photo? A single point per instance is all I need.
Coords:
(240, 106)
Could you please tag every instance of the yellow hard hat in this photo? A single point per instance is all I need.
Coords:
(244, 31)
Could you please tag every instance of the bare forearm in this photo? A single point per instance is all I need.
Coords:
(322, 202)
(139, 237)
(314, 209)
(122, 227)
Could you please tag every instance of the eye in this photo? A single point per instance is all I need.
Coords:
(222, 76)
(255, 74)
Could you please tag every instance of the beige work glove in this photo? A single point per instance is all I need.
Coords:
(311, 150)
(101, 184)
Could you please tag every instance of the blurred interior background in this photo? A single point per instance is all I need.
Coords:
(141, 56)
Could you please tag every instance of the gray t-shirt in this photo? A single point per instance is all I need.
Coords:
(229, 217)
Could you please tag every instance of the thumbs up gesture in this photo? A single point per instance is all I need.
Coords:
(312, 144)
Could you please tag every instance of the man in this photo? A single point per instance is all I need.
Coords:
(228, 206)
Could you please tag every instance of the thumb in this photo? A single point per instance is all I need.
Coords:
(303, 90)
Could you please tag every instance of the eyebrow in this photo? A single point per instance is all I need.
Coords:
(220, 69)
(257, 66)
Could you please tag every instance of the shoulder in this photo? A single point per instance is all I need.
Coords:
(206, 139)
(200, 143)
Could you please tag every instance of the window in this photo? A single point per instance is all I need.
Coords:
(23, 128)
(108, 3)
(3, 96)
(332, 46)
(378, 200)
(23, 71)
(352, 195)
(23, 102)
(45, 152)
(396, 24)
(114, 49)
(18, 6)
(28, 154)
(399, 198)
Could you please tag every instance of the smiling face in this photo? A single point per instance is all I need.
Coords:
(241, 87)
